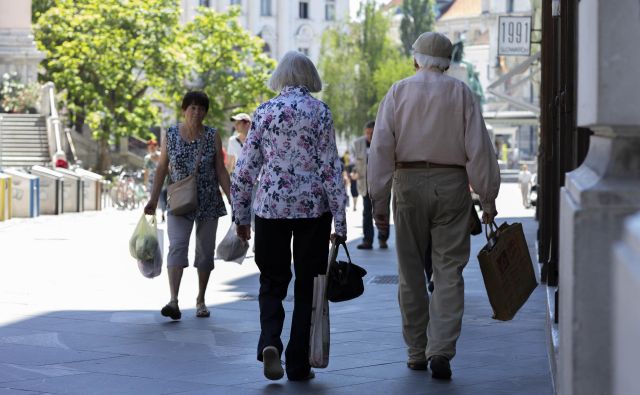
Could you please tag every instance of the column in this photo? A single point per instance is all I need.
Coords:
(600, 194)
(18, 51)
(284, 27)
(626, 315)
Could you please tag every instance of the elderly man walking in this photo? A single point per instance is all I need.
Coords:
(431, 140)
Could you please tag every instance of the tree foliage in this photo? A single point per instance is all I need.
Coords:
(229, 63)
(417, 17)
(391, 70)
(39, 7)
(118, 60)
(106, 55)
(352, 56)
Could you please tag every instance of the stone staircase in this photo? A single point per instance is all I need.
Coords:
(23, 140)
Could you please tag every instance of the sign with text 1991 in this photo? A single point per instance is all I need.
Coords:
(514, 35)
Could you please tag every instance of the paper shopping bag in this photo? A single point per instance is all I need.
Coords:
(507, 269)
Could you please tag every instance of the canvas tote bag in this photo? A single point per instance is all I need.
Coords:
(319, 339)
(182, 196)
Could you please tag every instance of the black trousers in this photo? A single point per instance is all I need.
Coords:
(273, 257)
(367, 222)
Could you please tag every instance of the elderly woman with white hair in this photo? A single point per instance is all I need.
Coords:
(430, 142)
(292, 147)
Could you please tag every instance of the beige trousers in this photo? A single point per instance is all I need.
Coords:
(431, 206)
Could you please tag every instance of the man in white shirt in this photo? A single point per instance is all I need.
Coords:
(242, 123)
(430, 142)
(524, 178)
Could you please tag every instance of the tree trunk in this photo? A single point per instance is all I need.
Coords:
(104, 156)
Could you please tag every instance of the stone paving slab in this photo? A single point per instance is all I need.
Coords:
(77, 318)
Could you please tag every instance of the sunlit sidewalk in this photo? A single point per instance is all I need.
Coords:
(76, 317)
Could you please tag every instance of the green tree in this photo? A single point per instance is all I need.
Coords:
(229, 63)
(106, 55)
(351, 55)
(39, 7)
(391, 70)
(417, 17)
(339, 66)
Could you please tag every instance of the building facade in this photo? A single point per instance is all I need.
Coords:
(511, 106)
(284, 25)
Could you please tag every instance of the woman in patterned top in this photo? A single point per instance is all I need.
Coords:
(291, 146)
(178, 158)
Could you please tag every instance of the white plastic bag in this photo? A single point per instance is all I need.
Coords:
(143, 244)
(152, 268)
(319, 340)
(232, 248)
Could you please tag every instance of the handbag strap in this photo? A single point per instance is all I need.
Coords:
(201, 143)
(335, 247)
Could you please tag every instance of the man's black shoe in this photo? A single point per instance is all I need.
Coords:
(365, 246)
(440, 368)
(311, 375)
(383, 244)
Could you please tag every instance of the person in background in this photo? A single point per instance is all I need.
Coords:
(151, 160)
(430, 142)
(524, 178)
(360, 157)
(242, 124)
(292, 147)
(178, 159)
(352, 178)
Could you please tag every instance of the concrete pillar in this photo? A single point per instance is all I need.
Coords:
(18, 51)
(600, 194)
(283, 27)
(626, 315)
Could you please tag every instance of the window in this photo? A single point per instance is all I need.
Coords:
(305, 51)
(265, 7)
(509, 6)
(330, 10)
(204, 3)
(235, 2)
(304, 10)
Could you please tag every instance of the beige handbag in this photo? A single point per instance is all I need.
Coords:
(319, 338)
(182, 196)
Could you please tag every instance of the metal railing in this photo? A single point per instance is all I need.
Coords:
(54, 126)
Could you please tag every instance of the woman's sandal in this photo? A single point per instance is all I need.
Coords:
(202, 311)
(172, 311)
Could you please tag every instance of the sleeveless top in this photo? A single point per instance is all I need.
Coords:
(182, 161)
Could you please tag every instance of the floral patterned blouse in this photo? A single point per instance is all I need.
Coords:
(182, 161)
(291, 150)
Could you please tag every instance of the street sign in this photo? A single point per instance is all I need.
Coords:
(514, 36)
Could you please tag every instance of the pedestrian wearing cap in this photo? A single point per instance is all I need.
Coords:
(292, 146)
(430, 142)
(242, 124)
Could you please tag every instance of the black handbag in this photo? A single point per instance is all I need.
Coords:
(344, 278)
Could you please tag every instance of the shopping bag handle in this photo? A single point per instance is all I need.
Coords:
(491, 230)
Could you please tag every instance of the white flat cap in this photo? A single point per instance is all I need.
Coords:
(433, 44)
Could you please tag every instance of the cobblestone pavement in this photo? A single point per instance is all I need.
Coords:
(76, 317)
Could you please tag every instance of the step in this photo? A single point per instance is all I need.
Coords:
(21, 133)
(4, 127)
(22, 148)
(22, 126)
